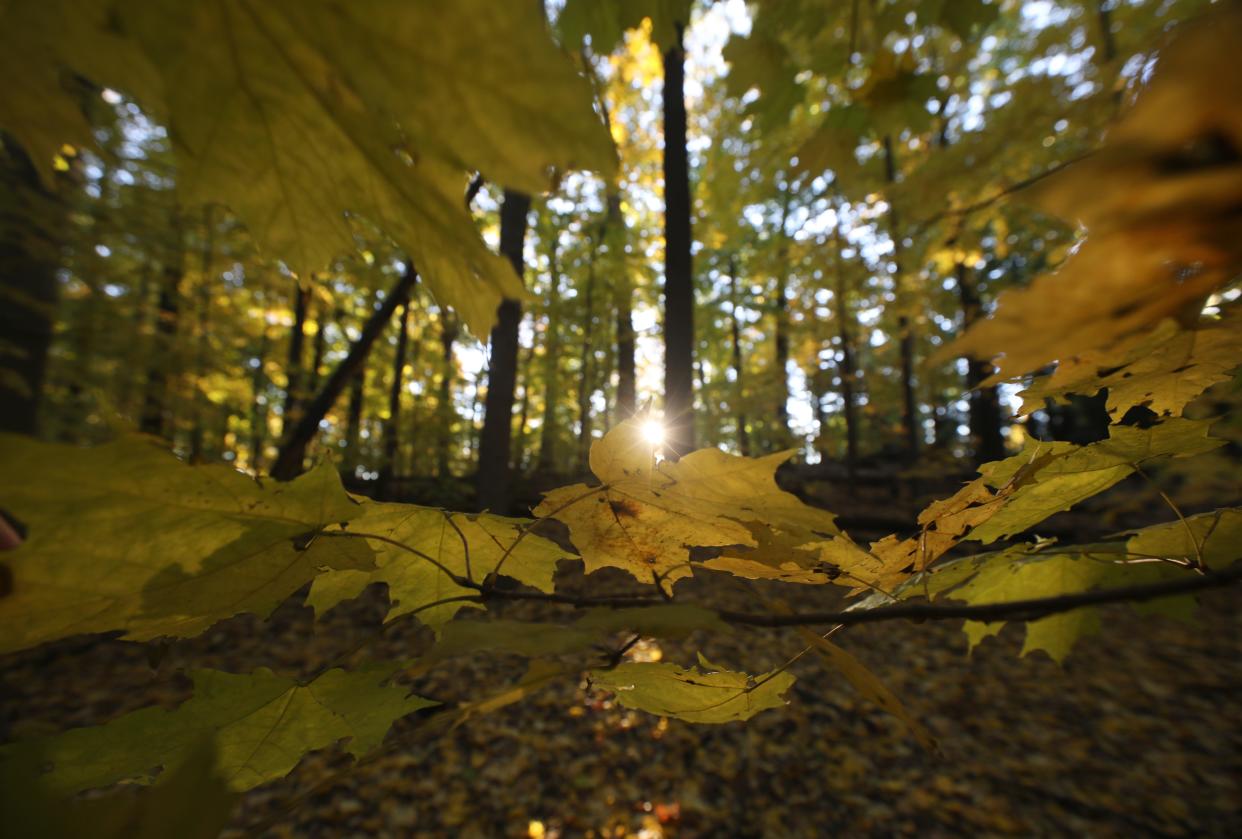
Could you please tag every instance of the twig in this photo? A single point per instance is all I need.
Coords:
(1030, 609)
(1199, 566)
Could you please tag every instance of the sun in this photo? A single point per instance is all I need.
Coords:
(653, 432)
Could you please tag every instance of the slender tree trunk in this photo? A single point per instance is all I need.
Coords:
(523, 432)
(392, 425)
(739, 392)
(627, 389)
(353, 422)
(493, 475)
(128, 374)
(294, 373)
(293, 451)
(317, 348)
(623, 299)
(1103, 9)
(27, 317)
(551, 370)
(678, 265)
(258, 415)
(472, 444)
(985, 412)
(781, 354)
(156, 417)
(849, 375)
(202, 405)
(905, 330)
(586, 371)
(445, 411)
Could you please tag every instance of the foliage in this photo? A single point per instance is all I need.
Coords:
(852, 169)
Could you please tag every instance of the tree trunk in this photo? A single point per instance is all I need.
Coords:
(678, 265)
(293, 451)
(623, 294)
(905, 330)
(353, 422)
(586, 371)
(202, 405)
(735, 330)
(848, 371)
(781, 348)
(155, 409)
(518, 461)
(493, 475)
(445, 411)
(551, 371)
(294, 373)
(258, 415)
(985, 412)
(393, 424)
(27, 317)
(317, 348)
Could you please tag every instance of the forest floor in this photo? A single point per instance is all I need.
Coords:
(1140, 733)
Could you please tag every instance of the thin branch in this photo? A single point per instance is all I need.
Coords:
(522, 531)
(1199, 564)
(984, 203)
(464, 582)
(1030, 609)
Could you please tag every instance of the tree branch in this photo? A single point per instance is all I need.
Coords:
(1025, 610)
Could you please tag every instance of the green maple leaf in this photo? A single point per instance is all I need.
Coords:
(605, 21)
(189, 801)
(1021, 573)
(123, 536)
(261, 725)
(298, 116)
(709, 695)
(417, 545)
(1069, 474)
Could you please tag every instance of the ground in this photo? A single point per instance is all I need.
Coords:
(1140, 733)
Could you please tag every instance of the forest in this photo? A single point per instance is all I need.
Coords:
(620, 418)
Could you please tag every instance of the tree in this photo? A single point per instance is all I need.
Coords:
(493, 478)
(827, 127)
(678, 264)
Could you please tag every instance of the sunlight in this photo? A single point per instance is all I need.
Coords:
(653, 432)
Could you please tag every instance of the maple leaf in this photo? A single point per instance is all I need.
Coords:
(1159, 202)
(1153, 554)
(300, 115)
(417, 548)
(188, 800)
(124, 536)
(646, 516)
(1162, 370)
(261, 725)
(710, 695)
(895, 94)
(1071, 474)
(866, 683)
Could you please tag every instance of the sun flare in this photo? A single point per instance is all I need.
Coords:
(653, 432)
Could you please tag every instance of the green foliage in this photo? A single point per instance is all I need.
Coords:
(294, 88)
(848, 209)
(706, 695)
(424, 555)
(189, 800)
(261, 725)
(1061, 475)
(122, 536)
